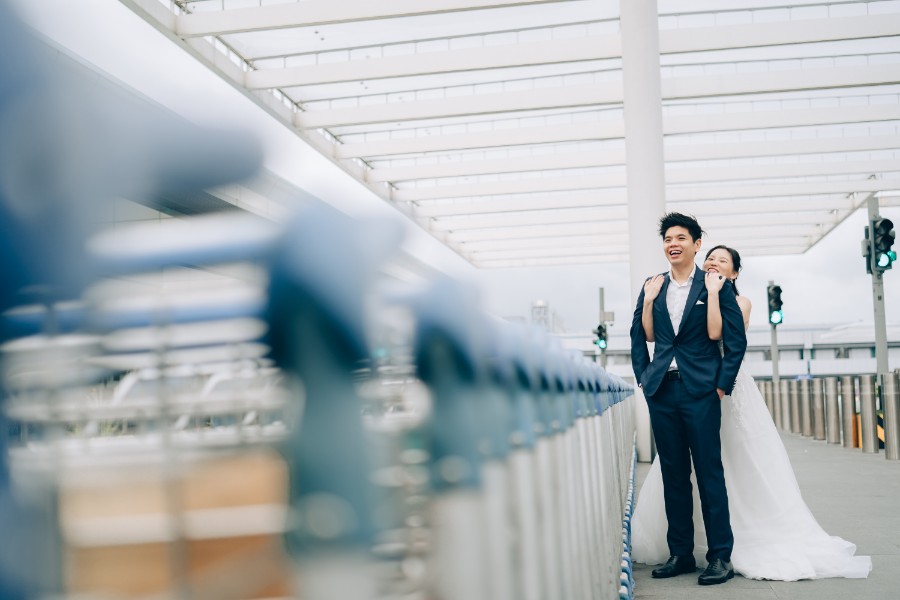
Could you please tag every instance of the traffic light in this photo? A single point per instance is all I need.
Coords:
(600, 332)
(883, 237)
(776, 316)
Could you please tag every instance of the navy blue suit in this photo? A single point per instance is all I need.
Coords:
(685, 411)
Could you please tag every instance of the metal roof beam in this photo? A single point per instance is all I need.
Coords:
(616, 201)
(325, 12)
(688, 152)
(615, 129)
(479, 206)
(595, 47)
(798, 242)
(551, 262)
(547, 242)
(490, 211)
(742, 236)
(605, 94)
(519, 136)
(433, 63)
(746, 173)
(533, 231)
(777, 33)
(520, 186)
(779, 81)
(582, 160)
(518, 164)
(805, 117)
(691, 7)
(677, 194)
(525, 234)
(673, 153)
(616, 222)
(540, 99)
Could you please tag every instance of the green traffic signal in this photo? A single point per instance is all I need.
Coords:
(883, 237)
(886, 258)
(601, 334)
(776, 316)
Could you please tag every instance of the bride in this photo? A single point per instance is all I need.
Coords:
(775, 535)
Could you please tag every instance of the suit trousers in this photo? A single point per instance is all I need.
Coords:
(686, 427)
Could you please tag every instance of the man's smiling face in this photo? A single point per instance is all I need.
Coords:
(680, 248)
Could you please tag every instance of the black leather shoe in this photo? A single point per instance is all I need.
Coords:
(718, 571)
(676, 565)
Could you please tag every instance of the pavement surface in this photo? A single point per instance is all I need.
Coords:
(853, 495)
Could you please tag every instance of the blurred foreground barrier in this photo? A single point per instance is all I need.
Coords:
(147, 417)
(446, 454)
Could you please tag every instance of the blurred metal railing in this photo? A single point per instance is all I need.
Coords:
(467, 458)
(510, 425)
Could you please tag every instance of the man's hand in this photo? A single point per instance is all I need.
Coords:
(721, 393)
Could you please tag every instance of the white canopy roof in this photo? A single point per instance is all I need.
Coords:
(498, 126)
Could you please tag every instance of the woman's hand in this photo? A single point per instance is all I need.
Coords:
(652, 287)
(714, 282)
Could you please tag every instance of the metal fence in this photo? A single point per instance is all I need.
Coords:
(296, 432)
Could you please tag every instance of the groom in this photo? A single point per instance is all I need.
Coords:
(684, 384)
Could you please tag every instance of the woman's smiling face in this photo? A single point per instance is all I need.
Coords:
(720, 261)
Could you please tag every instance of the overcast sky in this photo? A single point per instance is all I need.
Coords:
(826, 285)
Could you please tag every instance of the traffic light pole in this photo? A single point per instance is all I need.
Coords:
(602, 320)
(881, 348)
(776, 391)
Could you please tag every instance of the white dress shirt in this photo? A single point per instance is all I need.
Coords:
(676, 299)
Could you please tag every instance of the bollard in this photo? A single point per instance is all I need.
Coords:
(805, 408)
(891, 396)
(794, 401)
(832, 411)
(769, 388)
(784, 398)
(868, 422)
(848, 411)
(817, 398)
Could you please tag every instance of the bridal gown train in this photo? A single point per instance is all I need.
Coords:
(775, 535)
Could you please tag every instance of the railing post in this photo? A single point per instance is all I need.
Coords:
(891, 395)
(817, 397)
(832, 411)
(848, 410)
(868, 422)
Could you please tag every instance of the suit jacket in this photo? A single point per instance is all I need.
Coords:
(702, 366)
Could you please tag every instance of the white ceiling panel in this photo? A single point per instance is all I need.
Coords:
(497, 124)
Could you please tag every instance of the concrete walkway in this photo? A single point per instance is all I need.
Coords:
(853, 495)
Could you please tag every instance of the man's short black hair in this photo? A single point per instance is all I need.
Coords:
(674, 219)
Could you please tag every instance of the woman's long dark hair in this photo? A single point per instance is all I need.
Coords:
(735, 260)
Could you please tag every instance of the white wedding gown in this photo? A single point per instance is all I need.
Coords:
(775, 535)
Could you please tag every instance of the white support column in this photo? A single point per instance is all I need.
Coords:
(644, 160)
